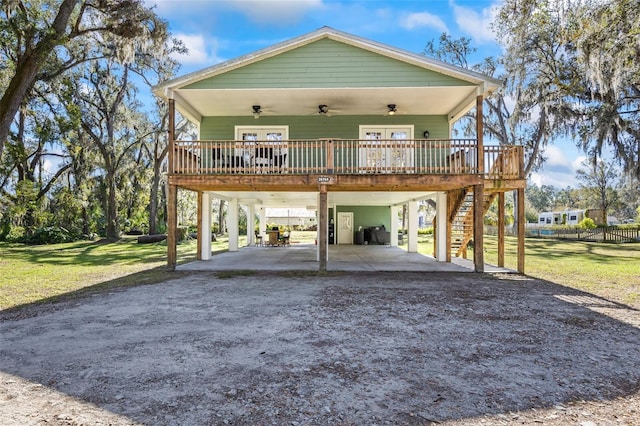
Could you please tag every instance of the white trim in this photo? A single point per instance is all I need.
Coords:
(206, 207)
(384, 157)
(361, 127)
(238, 128)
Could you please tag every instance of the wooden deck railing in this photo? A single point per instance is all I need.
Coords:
(345, 156)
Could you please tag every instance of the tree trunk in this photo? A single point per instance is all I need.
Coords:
(85, 222)
(27, 69)
(221, 217)
(113, 231)
(153, 200)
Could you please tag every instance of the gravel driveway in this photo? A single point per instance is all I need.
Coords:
(345, 348)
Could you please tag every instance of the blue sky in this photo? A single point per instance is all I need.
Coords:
(218, 30)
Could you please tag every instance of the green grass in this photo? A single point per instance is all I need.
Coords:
(30, 274)
(36, 274)
(608, 270)
(605, 269)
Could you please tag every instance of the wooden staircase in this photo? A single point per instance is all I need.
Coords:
(461, 218)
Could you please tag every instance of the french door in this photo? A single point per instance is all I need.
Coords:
(387, 149)
(263, 146)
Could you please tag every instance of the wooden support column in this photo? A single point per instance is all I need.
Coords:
(330, 165)
(480, 133)
(323, 228)
(501, 229)
(172, 193)
(478, 227)
(449, 225)
(521, 219)
(478, 194)
(172, 226)
(171, 132)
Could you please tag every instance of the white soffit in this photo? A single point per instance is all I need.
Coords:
(356, 101)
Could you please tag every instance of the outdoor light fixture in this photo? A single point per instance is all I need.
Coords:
(426, 134)
(392, 109)
(256, 111)
(323, 109)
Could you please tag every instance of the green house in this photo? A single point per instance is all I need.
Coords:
(343, 125)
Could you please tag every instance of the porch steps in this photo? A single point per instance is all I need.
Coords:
(462, 220)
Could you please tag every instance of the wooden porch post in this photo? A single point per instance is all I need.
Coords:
(330, 165)
(172, 194)
(449, 226)
(521, 219)
(172, 226)
(501, 229)
(478, 194)
(478, 227)
(323, 228)
(480, 133)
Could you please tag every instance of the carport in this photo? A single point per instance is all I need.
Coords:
(302, 257)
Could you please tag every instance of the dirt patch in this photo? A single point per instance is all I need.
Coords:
(359, 348)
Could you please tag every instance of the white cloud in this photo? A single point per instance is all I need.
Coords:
(423, 19)
(558, 170)
(201, 51)
(476, 24)
(275, 12)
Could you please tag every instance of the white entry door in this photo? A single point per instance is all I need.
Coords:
(345, 227)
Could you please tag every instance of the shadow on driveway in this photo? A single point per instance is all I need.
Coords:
(349, 348)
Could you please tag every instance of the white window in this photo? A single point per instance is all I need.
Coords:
(388, 149)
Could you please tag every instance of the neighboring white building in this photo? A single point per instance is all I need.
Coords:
(566, 217)
(573, 217)
(300, 218)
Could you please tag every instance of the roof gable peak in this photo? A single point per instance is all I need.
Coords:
(327, 32)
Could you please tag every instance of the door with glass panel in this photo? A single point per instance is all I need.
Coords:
(388, 149)
(263, 148)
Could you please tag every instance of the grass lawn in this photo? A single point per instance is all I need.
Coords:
(32, 274)
(604, 269)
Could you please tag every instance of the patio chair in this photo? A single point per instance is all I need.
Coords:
(263, 156)
(259, 239)
(284, 240)
(279, 162)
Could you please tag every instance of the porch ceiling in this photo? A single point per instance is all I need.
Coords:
(310, 199)
(449, 100)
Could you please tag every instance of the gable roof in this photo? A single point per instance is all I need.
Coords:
(192, 104)
(332, 34)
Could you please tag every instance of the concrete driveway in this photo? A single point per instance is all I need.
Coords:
(303, 257)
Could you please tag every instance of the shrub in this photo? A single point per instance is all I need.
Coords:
(50, 235)
(425, 231)
(16, 234)
(587, 223)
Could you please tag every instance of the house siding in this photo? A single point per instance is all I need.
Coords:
(366, 216)
(327, 64)
(315, 127)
